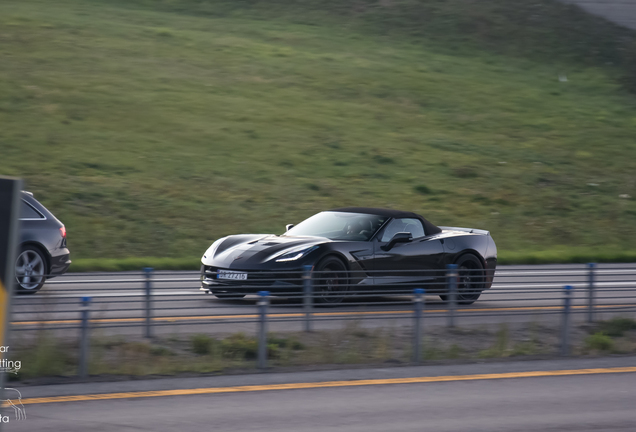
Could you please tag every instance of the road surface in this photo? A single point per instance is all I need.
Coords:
(573, 395)
(519, 293)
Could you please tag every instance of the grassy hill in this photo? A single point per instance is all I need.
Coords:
(150, 128)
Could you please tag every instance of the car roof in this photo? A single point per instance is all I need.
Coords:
(429, 228)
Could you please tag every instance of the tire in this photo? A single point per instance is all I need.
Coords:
(330, 281)
(227, 296)
(471, 280)
(30, 270)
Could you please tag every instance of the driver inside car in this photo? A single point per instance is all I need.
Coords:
(354, 228)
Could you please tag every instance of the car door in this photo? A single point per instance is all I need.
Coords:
(414, 264)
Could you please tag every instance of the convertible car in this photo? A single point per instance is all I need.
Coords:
(352, 250)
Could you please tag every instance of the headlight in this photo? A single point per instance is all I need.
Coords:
(294, 254)
(212, 249)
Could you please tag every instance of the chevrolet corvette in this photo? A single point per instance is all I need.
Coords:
(352, 250)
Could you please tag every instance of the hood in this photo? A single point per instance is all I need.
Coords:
(249, 251)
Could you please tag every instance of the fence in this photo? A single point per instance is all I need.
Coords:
(144, 304)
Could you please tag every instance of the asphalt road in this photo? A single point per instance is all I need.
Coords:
(566, 400)
(519, 293)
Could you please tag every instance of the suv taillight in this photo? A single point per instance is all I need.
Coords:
(63, 231)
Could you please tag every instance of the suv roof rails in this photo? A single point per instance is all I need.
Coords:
(27, 192)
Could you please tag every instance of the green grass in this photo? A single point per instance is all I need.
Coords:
(555, 256)
(599, 341)
(202, 344)
(126, 264)
(151, 128)
(616, 327)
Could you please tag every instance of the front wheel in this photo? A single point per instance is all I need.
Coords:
(30, 270)
(470, 282)
(330, 281)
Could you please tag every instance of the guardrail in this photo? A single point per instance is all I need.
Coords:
(151, 300)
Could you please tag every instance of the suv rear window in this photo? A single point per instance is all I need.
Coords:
(28, 212)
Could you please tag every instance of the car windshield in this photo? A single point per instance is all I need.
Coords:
(339, 226)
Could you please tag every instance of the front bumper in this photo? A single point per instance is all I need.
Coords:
(257, 280)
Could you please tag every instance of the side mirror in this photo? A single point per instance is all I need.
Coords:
(401, 237)
(288, 227)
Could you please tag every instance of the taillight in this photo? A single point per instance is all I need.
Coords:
(63, 231)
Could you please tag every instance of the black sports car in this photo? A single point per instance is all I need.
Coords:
(352, 249)
(43, 252)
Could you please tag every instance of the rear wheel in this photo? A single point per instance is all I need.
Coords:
(30, 270)
(330, 281)
(470, 281)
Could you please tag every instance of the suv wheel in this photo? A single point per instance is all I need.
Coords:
(30, 270)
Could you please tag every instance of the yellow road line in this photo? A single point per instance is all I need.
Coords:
(326, 384)
(318, 314)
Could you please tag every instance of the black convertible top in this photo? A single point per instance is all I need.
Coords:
(429, 228)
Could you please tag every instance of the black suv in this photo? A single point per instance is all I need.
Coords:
(43, 252)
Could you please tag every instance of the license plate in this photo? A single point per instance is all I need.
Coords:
(233, 275)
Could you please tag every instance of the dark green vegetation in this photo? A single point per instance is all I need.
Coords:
(152, 128)
(554, 256)
(614, 336)
(617, 327)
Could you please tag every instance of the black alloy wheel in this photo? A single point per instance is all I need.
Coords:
(470, 282)
(330, 281)
(30, 270)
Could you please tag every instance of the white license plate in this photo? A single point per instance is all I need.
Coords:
(234, 275)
